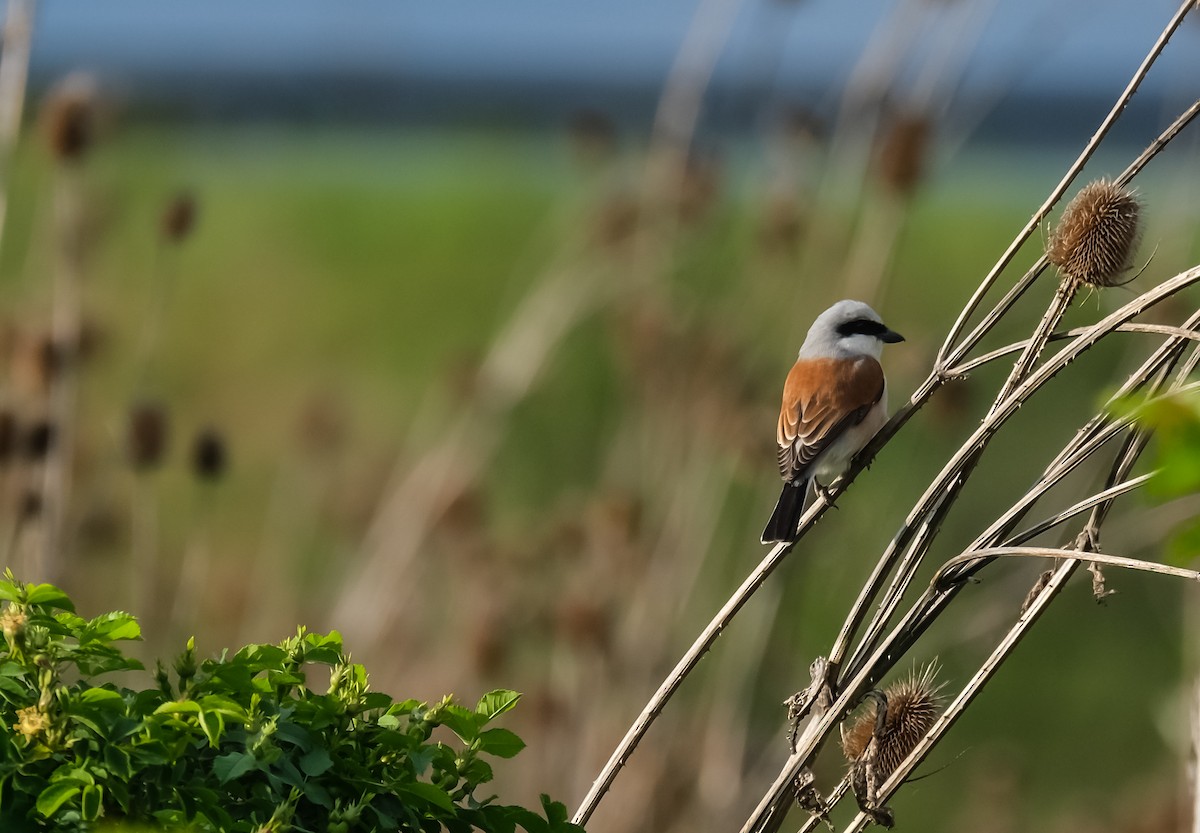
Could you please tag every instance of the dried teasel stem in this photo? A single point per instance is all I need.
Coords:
(14, 73)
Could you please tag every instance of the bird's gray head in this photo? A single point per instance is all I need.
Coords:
(848, 328)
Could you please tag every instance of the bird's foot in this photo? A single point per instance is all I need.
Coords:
(825, 492)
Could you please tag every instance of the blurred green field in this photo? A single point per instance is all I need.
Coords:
(327, 316)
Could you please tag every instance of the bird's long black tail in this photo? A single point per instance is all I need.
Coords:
(786, 518)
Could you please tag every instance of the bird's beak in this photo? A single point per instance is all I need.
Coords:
(890, 336)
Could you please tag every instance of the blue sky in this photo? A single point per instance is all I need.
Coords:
(1059, 47)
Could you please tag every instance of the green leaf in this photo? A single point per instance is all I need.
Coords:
(8, 591)
(528, 819)
(104, 698)
(315, 762)
(429, 793)
(213, 726)
(323, 649)
(117, 760)
(495, 703)
(462, 722)
(233, 765)
(56, 795)
(179, 707)
(224, 705)
(404, 707)
(478, 772)
(556, 812)
(113, 626)
(317, 794)
(47, 595)
(500, 820)
(373, 700)
(91, 802)
(298, 736)
(500, 742)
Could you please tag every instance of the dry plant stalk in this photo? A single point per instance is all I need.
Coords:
(876, 654)
(14, 75)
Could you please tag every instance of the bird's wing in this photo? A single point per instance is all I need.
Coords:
(821, 399)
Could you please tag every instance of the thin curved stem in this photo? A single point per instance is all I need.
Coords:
(1081, 506)
(1061, 555)
(1132, 327)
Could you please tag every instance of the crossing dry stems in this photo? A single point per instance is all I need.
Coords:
(875, 654)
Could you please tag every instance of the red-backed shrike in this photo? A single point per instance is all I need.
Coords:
(834, 401)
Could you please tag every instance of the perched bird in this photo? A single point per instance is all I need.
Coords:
(834, 400)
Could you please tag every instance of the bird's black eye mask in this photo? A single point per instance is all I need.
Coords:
(868, 327)
(861, 327)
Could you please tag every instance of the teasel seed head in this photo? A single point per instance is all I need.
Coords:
(69, 117)
(912, 706)
(39, 440)
(1097, 235)
(30, 505)
(147, 437)
(8, 436)
(209, 456)
(593, 138)
(903, 147)
(179, 217)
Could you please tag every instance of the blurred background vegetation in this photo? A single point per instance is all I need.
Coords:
(496, 364)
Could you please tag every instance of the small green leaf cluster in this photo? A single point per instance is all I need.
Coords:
(1176, 423)
(236, 743)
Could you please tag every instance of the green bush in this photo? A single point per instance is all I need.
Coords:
(238, 743)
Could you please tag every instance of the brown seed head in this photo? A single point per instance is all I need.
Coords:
(8, 436)
(903, 146)
(1097, 235)
(179, 217)
(30, 504)
(615, 221)
(781, 224)
(209, 455)
(593, 137)
(912, 706)
(39, 440)
(147, 435)
(585, 623)
(69, 117)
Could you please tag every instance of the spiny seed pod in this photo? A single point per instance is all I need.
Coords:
(39, 440)
(1097, 235)
(147, 437)
(912, 705)
(179, 217)
(208, 455)
(69, 117)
